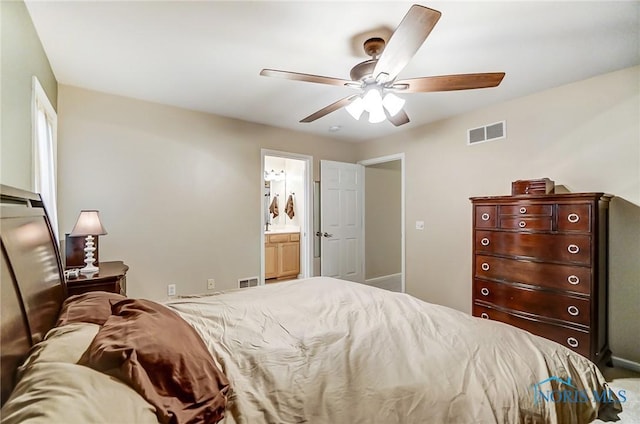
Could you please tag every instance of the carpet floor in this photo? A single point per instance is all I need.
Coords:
(623, 379)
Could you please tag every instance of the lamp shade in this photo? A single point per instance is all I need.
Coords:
(88, 224)
(392, 103)
(372, 100)
(355, 108)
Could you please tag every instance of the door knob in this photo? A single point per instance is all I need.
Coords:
(318, 234)
(327, 234)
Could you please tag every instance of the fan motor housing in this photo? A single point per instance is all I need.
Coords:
(363, 70)
(372, 47)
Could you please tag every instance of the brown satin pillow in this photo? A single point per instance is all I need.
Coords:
(92, 307)
(162, 357)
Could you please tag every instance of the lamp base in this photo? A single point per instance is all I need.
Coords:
(89, 269)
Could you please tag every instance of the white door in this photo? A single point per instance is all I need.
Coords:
(341, 220)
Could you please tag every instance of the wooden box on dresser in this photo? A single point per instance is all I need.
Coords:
(540, 263)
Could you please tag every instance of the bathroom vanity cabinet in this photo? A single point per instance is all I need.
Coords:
(281, 255)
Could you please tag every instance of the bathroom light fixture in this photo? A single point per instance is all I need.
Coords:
(89, 225)
(373, 102)
(274, 176)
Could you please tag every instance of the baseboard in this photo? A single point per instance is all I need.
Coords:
(385, 281)
(625, 363)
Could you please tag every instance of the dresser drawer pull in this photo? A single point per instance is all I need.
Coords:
(484, 241)
(573, 218)
(484, 291)
(573, 249)
(485, 266)
(484, 315)
(523, 210)
(485, 216)
(573, 279)
(572, 342)
(573, 311)
(522, 224)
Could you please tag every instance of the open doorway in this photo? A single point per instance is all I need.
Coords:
(384, 222)
(286, 213)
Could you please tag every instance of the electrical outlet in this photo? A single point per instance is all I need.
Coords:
(211, 284)
(171, 290)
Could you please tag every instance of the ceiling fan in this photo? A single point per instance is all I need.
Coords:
(376, 77)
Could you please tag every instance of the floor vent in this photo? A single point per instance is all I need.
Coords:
(248, 282)
(487, 133)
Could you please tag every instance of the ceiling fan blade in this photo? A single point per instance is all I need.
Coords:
(398, 119)
(304, 77)
(448, 82)
(328, 109)
(405, 42)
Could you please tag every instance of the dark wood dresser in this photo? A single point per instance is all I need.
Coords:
(540, 263)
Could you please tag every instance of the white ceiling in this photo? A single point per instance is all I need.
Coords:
(206, 55)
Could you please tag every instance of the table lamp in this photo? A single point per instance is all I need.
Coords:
(89, 225)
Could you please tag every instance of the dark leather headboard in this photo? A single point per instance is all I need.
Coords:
(32, 287)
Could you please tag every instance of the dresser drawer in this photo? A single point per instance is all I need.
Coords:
(547, 304)
(486, 216)
(574, 339)
(574, 217)
(524, 210)
(571, 248)
(522, 223)
(554, 276)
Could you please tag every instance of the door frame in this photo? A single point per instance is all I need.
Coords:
(383, 159)
(306, 227)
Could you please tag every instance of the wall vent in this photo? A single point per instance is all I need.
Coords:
(489, 132)
(248, 282)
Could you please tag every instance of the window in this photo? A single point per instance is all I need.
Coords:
(44, 126)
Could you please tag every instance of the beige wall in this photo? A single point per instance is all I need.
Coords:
(22, 57)
(585, 136)
(383, 219)
(178, 191)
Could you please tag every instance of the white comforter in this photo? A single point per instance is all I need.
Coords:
(323, 350)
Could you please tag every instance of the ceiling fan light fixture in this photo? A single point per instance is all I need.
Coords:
(373, 100)
(377, 114)
(355, 108)
(392, 103)
(377, 76)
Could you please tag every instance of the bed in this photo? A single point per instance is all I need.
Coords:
(318, 350)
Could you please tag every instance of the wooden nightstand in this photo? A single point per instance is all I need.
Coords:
(112, 277)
